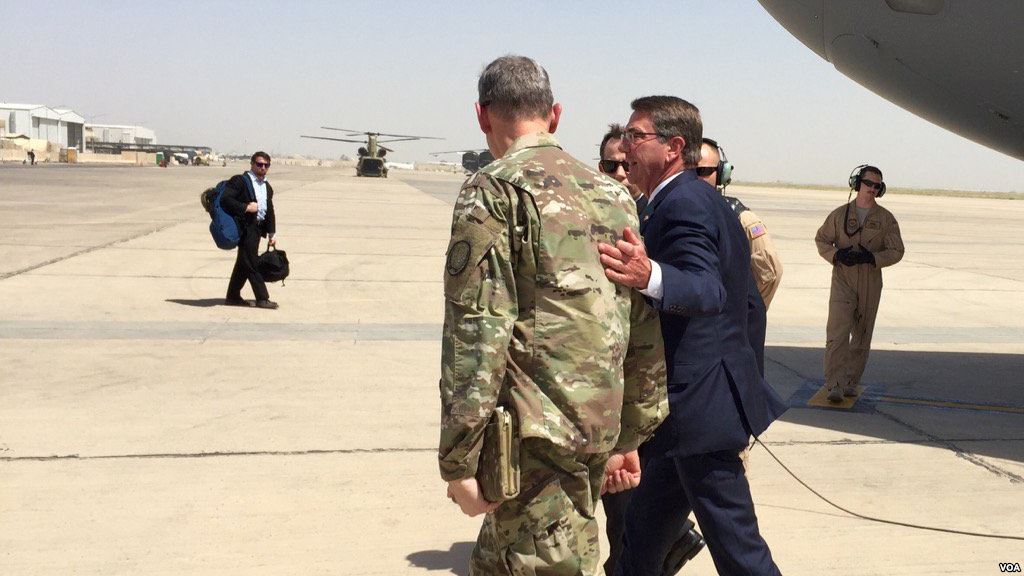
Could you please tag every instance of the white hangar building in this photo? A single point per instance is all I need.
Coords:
(61, 126)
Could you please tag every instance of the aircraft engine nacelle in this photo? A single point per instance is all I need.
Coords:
(363, 151)
(382, 152)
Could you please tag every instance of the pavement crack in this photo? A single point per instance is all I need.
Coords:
(953, 447)
(785, 366)
(6, 275)
(851, 442)
(216, 454)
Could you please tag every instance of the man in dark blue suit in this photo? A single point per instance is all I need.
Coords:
(694, 266)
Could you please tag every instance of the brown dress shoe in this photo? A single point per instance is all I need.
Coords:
(267, 304)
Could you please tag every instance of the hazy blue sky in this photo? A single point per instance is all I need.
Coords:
(245, 75)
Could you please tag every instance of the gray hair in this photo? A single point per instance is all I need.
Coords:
(672, 117)
(516, 88)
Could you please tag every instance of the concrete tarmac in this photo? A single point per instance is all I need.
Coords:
(147, 429)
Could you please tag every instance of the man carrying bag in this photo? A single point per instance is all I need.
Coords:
(249, 197)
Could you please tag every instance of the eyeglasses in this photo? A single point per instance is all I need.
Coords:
(871, 184)
(705, 171)
(262, 164)
(631, 136)
(610, 166)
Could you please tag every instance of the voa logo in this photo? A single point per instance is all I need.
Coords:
(1009, 566)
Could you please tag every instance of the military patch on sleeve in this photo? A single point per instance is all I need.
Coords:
(458, 257)
(758, 230)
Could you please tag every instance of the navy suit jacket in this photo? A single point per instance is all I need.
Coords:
(717, 396)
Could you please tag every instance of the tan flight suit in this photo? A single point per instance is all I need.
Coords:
(765, 264)
(856, 290)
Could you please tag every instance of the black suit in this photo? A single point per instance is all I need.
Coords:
(717, 396)
(237, 195)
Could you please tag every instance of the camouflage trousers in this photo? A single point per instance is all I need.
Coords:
(550, 529)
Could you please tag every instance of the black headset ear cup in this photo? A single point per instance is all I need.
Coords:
(855, 176)
(881, 191)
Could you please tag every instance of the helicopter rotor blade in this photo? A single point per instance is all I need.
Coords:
(404, 136)
(333, 139)
(345, 130)
(408, 137)
(398, 140)
(458, 151)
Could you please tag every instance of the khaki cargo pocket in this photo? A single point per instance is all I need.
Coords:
(472, 238)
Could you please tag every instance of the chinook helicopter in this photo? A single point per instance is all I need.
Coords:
(472, 160)
(371, 157)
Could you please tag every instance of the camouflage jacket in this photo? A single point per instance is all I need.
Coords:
(532, 323)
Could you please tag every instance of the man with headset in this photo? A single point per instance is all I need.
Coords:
(765, 265)
(858, 239)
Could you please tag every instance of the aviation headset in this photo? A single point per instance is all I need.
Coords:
(724, 168)
(854, 181)
(858, 174)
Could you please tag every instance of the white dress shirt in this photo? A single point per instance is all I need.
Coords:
(654, 287)
(260, 186)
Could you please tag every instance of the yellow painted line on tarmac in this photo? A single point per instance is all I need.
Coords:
(949, 404)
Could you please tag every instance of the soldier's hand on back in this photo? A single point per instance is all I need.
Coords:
(252, 207)
(467, 494)
(626, 263)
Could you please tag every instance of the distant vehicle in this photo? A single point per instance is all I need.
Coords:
(371, 157)
(200, 159)
(956, 64)
(472, 159)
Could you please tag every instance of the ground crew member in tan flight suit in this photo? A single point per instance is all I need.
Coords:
(858, 239)
(533, 326)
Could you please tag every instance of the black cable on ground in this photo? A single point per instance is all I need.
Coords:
(882, 520)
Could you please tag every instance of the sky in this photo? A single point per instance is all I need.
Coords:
(242, 76)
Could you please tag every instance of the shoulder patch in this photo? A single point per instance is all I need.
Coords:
(458, 257)
(757, 230)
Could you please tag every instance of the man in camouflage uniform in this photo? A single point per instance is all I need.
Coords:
(532, 324)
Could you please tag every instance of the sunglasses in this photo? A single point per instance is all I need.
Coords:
(610, 166)
(262, 164)
(871, 184)
(705, 171)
